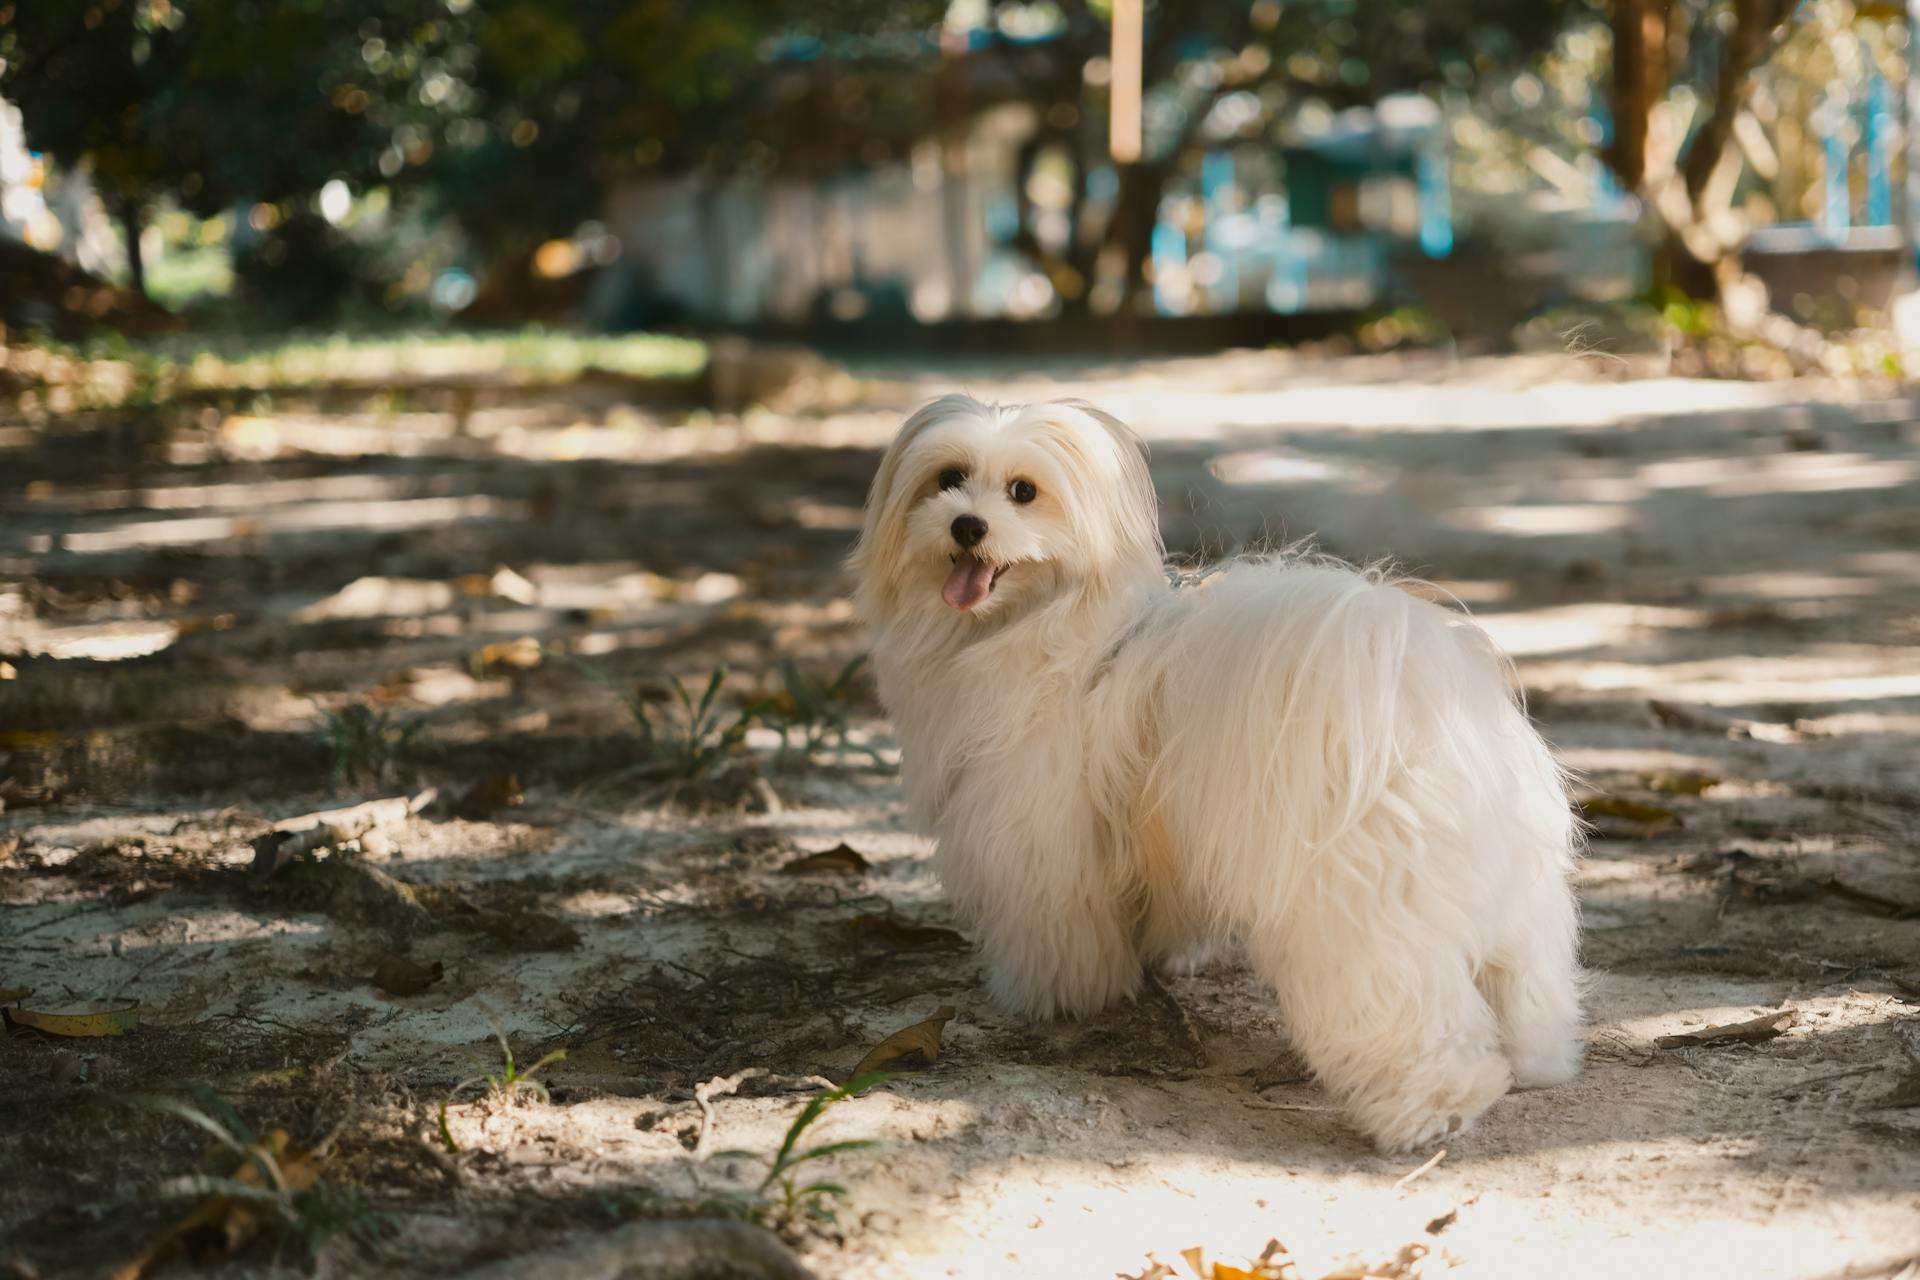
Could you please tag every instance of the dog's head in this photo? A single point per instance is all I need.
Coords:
(982, 511)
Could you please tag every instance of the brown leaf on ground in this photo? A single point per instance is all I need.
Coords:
(12, 995)
(910, 1048)
(95, 1018)
(842, 858)
(1620, 807)
(1618, 818)
(1682, 784)
(490, 795)
(401, 976)
(223, 1224)
(905, 933)
(1752, 1031)
(521, 655)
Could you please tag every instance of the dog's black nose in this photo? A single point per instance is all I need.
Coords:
(968, 530)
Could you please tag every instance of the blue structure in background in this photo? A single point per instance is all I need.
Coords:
(1877, 138)
(1314, 228)
(1836, 207)
(1436, 205)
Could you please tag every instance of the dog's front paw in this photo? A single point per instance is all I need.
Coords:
(1432, 1102)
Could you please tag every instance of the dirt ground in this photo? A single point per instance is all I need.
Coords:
(1711, 590)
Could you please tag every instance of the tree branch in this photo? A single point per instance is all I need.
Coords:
(1750, 45)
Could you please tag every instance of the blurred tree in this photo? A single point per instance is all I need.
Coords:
(1684, 170)
(213, 104)
(1266, 59)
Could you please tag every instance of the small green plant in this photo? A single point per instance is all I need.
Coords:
(815, 712)
(784, 1196)
(364, 744)
(508, 1085)
(279, 1179)
(690, 741)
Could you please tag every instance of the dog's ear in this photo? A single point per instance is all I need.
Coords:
(1135, 510)
(874, 562)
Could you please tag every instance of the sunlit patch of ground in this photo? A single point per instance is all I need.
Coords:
(1709, 590)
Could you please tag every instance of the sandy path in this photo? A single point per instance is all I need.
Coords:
(1748, 552)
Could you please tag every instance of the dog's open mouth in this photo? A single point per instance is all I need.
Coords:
(971, 581)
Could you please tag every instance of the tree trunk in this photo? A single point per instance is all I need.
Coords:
(131, 226)
(1134, 210)
(1640, 70)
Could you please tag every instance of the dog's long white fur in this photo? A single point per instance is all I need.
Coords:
(1292, 754)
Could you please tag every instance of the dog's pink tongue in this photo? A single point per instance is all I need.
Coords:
(969, 582)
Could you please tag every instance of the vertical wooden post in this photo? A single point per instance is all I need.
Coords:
(1123, 125)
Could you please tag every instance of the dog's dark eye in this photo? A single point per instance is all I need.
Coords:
(952, 478)
(1022, 491)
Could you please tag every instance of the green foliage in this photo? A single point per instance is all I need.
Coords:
(784, 1197)
(512, 1081)
(693, 737)
(364, 745)
(813, 712)
(1688, 316)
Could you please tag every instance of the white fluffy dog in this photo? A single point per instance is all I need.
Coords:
(1293, 754)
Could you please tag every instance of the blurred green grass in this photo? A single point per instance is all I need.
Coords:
(115, 372)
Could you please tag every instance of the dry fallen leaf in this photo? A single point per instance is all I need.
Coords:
(401, 976)
(522, 655)
(1620, 807)
(222, 1224)
(491, 794)
(842, 858)
(1617, 818)
(910, 1048)
(905, 933)
(1752, 1031)
(1682, 784)
(110, 1018)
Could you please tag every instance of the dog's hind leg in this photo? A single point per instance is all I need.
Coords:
(1397, 1032)
(1534, 986)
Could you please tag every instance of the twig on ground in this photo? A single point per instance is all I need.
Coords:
(298, 837)
(1896, 909)
(1794, 1090)
(1408, 1179)
(1195, 1046)
(705, 1095)
(1752, 1031)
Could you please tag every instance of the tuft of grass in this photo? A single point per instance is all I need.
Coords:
(364, 745)
(786, 1197)
(512, 1081)
(276, 1182)
(814, 712)
(690, 736)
